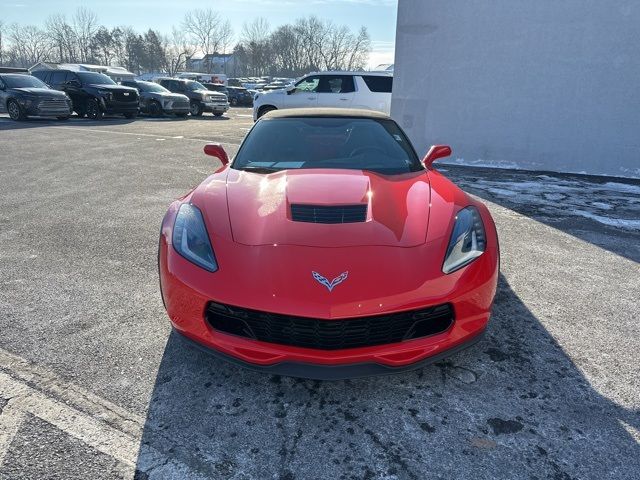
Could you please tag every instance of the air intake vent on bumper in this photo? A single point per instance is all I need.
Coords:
(329, 214)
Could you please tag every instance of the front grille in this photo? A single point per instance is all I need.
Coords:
(121, 97)
(329, 214)
(53, 105)
(329, 334)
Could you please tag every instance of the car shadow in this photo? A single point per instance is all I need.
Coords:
(36, 122)
(513, 406)
(604, 211)
(208, 117)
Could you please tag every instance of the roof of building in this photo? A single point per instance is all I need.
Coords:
(382, 73)
(13, 70)
(326, 112)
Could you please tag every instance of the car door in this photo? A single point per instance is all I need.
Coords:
(336, 91)
(305, 94)
(70, 83)
(56, 80)
(3, 96)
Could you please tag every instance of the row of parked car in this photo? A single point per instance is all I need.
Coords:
(59, 93)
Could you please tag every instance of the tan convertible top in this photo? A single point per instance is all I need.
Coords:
(325, 112)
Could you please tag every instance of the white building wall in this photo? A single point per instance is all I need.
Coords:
(542, 85)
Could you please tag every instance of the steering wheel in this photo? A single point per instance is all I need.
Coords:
(361, 150)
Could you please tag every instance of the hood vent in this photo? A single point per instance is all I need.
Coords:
(329, 214)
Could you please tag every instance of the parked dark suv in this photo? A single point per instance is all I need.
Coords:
(156, 100)
(93, 94)
(239, 96)
(200, 99)
(23, 95)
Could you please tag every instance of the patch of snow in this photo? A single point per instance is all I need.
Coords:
(627, 224)
(601, 205)
(623, 187)
(503, 192)
(484, 163)
(554, 197)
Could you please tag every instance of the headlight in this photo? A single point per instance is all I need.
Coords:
(27, 99)
(190, 238)
(468, 240)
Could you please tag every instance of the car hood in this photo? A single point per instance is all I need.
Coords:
(281, 91)
(166, 96)
(114, 88)
(260, 213)
(212, 93)
(41, 91)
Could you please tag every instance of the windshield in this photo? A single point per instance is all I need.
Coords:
(151, 87)
(346, 143)
(22, 81)
(93, 78)
(193, 86)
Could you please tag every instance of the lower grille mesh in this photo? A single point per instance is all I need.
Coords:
(329, 334)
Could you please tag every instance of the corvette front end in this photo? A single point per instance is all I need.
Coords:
(328, 273)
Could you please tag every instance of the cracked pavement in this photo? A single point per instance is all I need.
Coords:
(93, 383)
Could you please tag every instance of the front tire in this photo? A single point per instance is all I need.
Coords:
(234, 102)
(15, 111)
(265, 109)
(196, 109)
(155, 110)
(93, 110)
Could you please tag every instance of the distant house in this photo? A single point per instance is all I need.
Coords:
(384, 67)
(117, 74)
(219, 63)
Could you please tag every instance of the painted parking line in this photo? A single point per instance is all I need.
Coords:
(149, 135)
(98, 423)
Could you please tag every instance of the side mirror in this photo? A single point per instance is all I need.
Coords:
(434, 153)
(216, 150)
(291, 89)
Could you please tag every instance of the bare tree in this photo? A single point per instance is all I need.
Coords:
(1, 43)
(178, 49)
(208, 31)
(292, 49)
(29, 45)
(255, 40)
(85, 26)
(360, 49)
(63, 38)
(312, 32)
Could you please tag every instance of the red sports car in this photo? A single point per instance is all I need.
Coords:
(328, 250)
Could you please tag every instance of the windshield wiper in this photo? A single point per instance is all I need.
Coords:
(257, 169)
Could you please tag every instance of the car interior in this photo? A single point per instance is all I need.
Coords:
(348, 143)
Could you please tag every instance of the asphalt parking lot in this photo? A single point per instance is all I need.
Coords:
(93, 383)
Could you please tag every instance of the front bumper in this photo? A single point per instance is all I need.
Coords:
(187, 291)
(45, 108)
(215, 107)
(176, 110)
(331, 372)
(114, 107)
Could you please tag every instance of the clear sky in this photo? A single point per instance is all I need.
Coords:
(379, 16)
